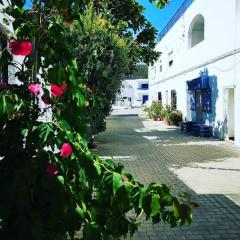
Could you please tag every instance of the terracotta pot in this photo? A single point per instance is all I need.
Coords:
(168, 122)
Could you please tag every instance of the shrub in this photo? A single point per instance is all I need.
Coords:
(155, 110)
(175, 117)
(165, 112)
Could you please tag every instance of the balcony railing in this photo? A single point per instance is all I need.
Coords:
(183, 8)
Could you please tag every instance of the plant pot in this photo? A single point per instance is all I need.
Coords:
(167, 122)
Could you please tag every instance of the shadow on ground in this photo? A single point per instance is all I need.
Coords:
(149, 154)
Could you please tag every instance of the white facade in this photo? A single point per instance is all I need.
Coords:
(205, 38)
(5, 32)
(134, 92)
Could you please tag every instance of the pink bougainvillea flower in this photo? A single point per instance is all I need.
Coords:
(3, 85)
(34, 88)
(52, 170)
(46, 99)
(66, 150)
(57, 91)
(20, 48)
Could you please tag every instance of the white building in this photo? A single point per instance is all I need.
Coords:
(199, 67)
(7, 73)
(134, 92)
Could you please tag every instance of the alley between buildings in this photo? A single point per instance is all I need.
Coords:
(208, 169)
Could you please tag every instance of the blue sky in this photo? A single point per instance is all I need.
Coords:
(160, 17)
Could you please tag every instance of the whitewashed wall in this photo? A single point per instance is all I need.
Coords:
(18, 59)
(219, 53)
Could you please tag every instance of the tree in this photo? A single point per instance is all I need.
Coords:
(51, 185)
(102, 58)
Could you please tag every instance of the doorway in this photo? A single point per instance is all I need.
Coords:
(144, 99)
(198, 106)
(230, 114)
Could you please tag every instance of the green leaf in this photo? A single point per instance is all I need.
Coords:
(79, 212)
(69, 136)
(117, 225)
(57, 75)
(176, 209)
(155, 205)
(142, 195)
(156, 218)
(110, 164)
(121, 200)
(98, 167)
(147, 200)
(25, 132)
(5, 21)
(60, 179)
(45, 130)
(65, 125)
(117, 181)
(80, 99)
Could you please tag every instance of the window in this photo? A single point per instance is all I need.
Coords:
(173, 100)
(160, 97)
(170, 58)
(144, 86)
(160, 68)
(170, 63)
(196, 31)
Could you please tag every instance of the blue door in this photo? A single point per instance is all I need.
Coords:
(144, 99)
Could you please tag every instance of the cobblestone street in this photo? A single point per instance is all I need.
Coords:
(207, 168)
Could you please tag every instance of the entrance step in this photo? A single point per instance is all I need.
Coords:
(202, 130)
(187, 126)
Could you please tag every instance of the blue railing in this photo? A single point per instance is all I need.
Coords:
(186, 4)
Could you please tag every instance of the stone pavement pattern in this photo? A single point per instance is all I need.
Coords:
(155, 152)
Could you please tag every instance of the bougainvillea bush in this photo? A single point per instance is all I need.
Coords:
(51, 185)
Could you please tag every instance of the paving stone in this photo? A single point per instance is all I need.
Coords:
(149, 150)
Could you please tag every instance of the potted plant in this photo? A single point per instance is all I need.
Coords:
(175, 117)
(165, 114)
(167, 118)
(154, 112)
